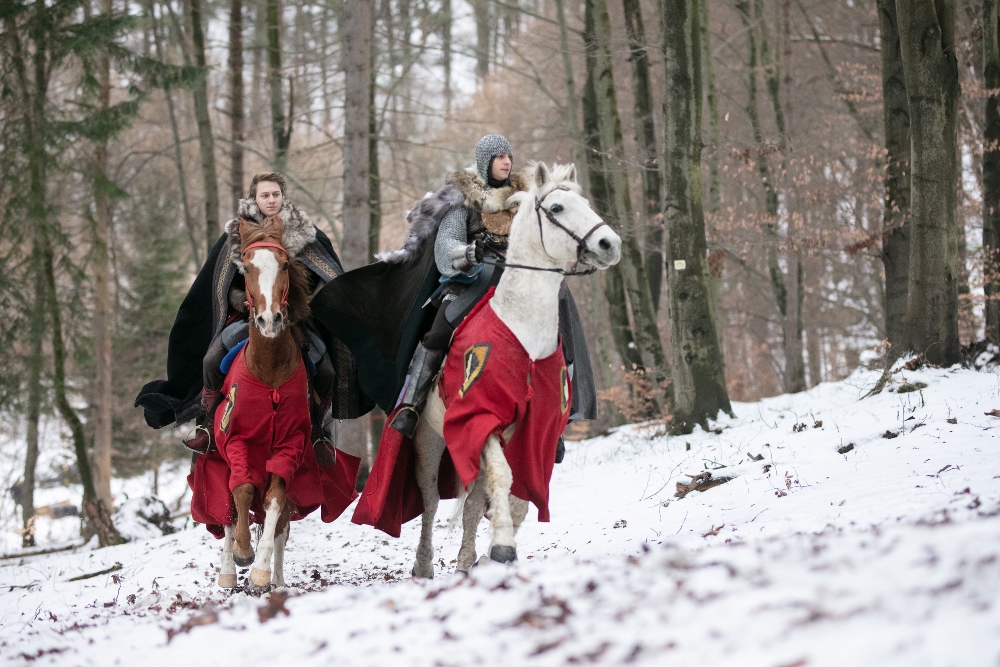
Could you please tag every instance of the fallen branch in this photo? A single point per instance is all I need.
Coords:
(91, 575)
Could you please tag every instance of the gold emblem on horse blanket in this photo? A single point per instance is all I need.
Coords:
(230, 404)
(564, 388)
(475, 362)
(499, 222)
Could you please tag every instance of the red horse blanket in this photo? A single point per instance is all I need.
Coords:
(260, 430)
(488, 383)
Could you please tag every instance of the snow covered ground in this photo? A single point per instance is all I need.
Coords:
(886, 552)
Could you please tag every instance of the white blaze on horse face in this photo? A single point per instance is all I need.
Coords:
(266, 263)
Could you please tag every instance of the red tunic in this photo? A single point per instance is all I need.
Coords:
(258, 431)
(479, 403)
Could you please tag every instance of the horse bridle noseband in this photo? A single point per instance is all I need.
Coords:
(284, 294)
(581, 241)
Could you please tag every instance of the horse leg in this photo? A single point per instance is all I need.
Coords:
(227, 575)
(429, 451)
(518, 510)
(274, 504)
(280, 539)
(498, 477)
(472, 513)
(242, 549)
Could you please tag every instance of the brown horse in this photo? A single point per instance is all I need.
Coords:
(277, 296)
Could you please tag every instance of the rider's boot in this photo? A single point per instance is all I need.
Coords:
(423, 368)
(323, 444)
(203, 440)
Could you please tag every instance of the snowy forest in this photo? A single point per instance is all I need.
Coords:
(808, 197)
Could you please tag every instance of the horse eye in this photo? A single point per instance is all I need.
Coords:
(285, 267)
(556, 208)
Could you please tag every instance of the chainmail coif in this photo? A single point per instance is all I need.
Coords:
(488, 148)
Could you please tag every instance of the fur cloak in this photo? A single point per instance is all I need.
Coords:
(204, 311)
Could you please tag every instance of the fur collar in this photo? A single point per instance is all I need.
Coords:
(298, 231)
(483, 198)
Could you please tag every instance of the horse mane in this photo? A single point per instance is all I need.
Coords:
(270, 230)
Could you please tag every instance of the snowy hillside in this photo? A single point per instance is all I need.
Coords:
(852, 532)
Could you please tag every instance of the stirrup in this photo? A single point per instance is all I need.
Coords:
(326, 452)
(406, 420)
(200, 442)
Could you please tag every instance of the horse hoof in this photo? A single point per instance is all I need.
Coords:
(244, 562)
(422, 572)
(227, 580)
(503, 554)
(260, 577)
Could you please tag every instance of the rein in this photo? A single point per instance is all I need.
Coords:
(581, 241)
(284, 294)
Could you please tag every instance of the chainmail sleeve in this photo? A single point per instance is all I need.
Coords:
(451, 234)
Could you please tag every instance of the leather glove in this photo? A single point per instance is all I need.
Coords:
(463, 257)
(238, 299)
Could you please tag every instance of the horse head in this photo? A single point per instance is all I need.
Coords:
(559, 228)
(274, 282)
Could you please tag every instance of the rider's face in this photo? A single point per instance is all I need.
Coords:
(501, 167)
(268, 197)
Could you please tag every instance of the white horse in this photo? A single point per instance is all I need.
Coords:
(553, 233)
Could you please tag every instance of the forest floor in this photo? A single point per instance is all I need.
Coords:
(854, 531)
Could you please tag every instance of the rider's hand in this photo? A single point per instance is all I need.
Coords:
(238, 299)
(474, 252)
(463, 258)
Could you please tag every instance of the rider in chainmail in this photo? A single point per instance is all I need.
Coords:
(480, 226)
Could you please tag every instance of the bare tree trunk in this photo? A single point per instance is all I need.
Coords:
(646, 138)
(103, 397)
(281, 135)
(991, 168)
(189, 223)
(927, 44)
(446, 49)
(236, 101)
(35, 362)
(614, 288)
(699, 386)
(356, 59)
(484, 34)
(712, 97)
(896, 215)
(96, 513)
(579, 141)
(205, 138)
(632, 273)
(374, 178)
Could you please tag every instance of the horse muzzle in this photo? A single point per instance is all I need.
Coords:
(270, 325)
(602, 251)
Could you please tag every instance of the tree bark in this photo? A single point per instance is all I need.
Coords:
(896, 213)
(699, 384)
(96, 513)
(646, 138)
(103, 398)
(281, 135)
(579, 141)
(356, 58)
(236, 101)
(189, 223)
(35, 362)
(712, 97)
(930, 68)
(205, 139)
(991, 168)
(630, 270)
(446, 54)
(484, 33)
(374, 178)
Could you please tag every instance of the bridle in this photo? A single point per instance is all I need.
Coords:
(284, 294)
(581, 241)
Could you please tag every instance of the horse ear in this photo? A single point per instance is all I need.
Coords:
(571, 174)
(515, 198)
(541, 174)
(243, 228)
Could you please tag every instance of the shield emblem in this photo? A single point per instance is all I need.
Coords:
(230, 404)
(475, 361)
(564, 389)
